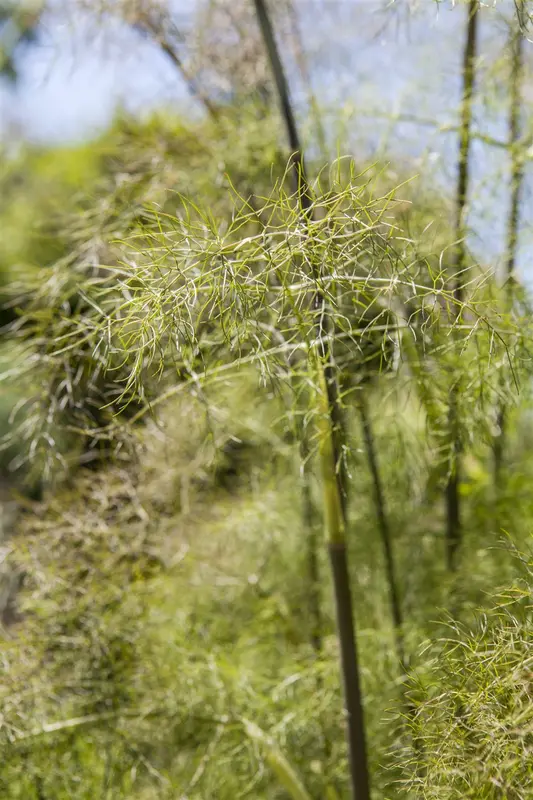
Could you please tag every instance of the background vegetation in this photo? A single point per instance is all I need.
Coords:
(225, 355)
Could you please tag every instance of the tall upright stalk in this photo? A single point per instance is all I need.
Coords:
(282, 87)
(335, 523)
(517, 180)
(311, 529)
(328, 415)
(454, 530)
(384, 529)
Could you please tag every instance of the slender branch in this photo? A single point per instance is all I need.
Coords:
(452, 496)
(465, 142)
(308, 517)
(304, 195)
(446, 127)
(384, 529)
(332, 478)
(299, 171)
(146, 25)
(517, 180)
(517, 167)
(338, 555)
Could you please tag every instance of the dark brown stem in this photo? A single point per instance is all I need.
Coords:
(498, 446)
(330, 419)
(360, 780)
(452, 494)
(309, 521)
(282, 87)
(453, 507)
(384, 529)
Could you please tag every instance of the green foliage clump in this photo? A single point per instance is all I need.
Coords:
(473, 726)
(70, 212)
(85, 563)
(152, 638)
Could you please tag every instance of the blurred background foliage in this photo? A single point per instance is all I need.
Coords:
(158, 598)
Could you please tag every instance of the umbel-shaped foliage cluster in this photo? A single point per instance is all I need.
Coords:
(190, 298)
